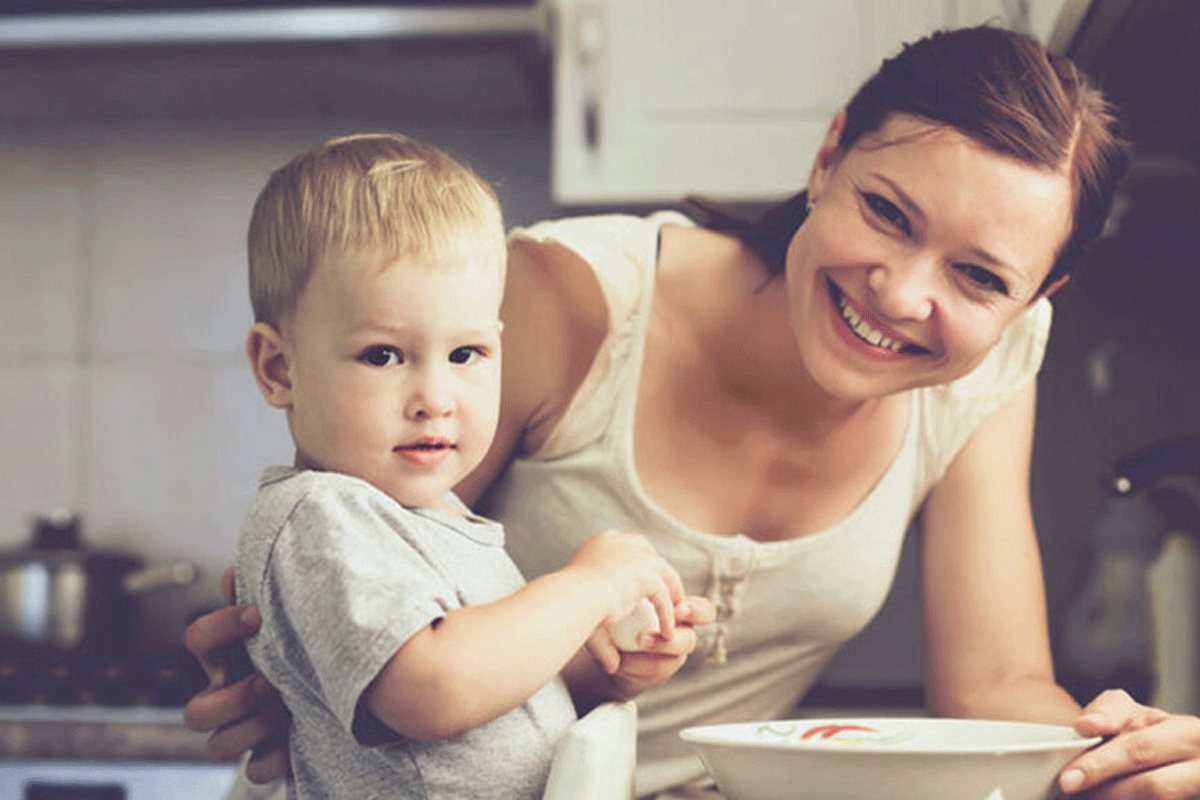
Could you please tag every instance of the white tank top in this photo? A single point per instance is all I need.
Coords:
(784, 607)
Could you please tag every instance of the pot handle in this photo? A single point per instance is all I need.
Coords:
(159, 576)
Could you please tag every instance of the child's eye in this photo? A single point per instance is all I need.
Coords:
(462, 355)
(887, 211)
(381, 356)
(983, 278)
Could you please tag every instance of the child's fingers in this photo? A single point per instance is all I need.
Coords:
(664, 607)
(601, 646)
(673, 581)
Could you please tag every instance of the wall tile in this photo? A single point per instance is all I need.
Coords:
(170, 263)
(39, 423)
(174, 454)
(41, 225)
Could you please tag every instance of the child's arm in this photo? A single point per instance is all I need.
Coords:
(478, 662)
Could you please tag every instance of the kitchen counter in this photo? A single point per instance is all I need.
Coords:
(98, 733)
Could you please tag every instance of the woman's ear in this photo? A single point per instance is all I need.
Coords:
(828, 155)
(270, 363)
(1057, 284)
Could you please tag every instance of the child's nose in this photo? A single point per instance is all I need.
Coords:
(430, 396)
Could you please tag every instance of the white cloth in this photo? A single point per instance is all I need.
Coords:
(784, 608)
(596, 758)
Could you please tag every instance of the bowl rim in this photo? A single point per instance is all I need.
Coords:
(710, 735)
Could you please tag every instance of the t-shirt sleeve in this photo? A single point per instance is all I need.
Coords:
(621, 251)
(343, 590)
(952, 412)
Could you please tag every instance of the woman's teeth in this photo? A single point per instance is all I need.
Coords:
(864, 330)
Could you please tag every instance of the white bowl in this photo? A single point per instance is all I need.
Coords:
(885, 758)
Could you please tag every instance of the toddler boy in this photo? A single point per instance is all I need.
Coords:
(415, 660)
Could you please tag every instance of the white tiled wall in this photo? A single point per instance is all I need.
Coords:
(123, 388)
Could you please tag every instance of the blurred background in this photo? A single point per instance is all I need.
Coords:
(134, 137)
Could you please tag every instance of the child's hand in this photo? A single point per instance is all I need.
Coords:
(658, 657)
(626, 569)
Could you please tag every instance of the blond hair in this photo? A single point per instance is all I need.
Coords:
(377, 196)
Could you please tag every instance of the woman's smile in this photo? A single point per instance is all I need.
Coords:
(882, 343)
(919, 248)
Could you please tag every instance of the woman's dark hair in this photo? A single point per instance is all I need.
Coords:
(1002, 89)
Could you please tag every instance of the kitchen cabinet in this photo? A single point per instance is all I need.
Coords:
(655, 99)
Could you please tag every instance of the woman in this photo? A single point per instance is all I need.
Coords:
(773, 402)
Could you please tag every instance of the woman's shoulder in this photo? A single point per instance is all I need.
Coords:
(597, 232)
(950, 413)
(1014, 359)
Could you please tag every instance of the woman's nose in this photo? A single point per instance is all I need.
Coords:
(430, 395)
(904, 289)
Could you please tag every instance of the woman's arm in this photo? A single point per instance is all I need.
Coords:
(987, 651)
(987, 647)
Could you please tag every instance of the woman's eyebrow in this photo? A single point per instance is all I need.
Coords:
(909, 204)
(915, 210)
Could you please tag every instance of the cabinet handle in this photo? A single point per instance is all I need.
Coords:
(590, 41)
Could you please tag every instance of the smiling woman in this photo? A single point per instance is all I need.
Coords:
(772, 402)
(920, 236)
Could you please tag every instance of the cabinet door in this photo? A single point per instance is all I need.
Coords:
(654, 99)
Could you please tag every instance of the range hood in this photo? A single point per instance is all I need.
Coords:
(80, 62)
(92, 23)
(1143, 54)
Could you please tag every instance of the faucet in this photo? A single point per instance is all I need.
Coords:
(1108, 636)
(1168, 473)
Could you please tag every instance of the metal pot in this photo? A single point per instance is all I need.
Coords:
(58, 594)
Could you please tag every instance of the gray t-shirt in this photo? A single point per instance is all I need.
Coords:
(344, 576)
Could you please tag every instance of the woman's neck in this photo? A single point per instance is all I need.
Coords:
(721, 293)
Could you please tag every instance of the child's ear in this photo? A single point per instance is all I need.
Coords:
(269, 362)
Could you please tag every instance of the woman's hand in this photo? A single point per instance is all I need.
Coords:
(240, 708)
(1151, 755)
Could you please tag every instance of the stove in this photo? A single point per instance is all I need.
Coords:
(87, 726)
(165, 678)
(71, 780)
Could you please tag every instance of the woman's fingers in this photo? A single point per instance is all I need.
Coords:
(269, 758)
(229, 586)
(222, 706)
(208, 638)
(1179, 781)
(681, 642)
(269, 766)
(695, 610)
(1152, 755)
(260, 731)
(1115, 711)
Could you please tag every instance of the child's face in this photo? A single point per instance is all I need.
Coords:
(395, 371)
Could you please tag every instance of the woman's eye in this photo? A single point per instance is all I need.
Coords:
(887, 211)
(462, 355)
(381, 356)
(983, 278)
